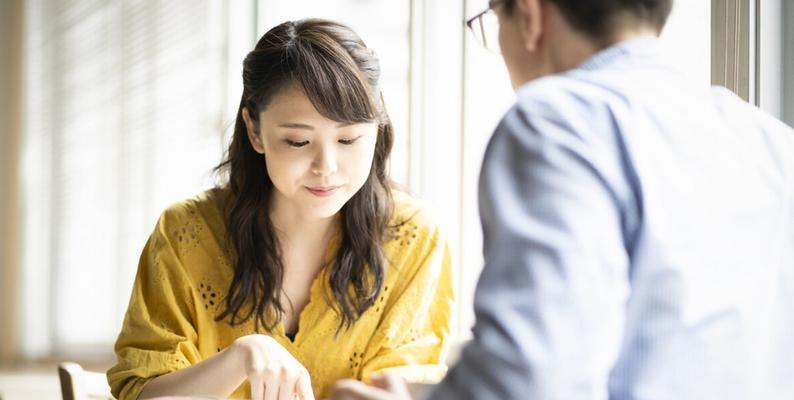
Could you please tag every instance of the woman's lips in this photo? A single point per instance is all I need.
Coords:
(322, 191)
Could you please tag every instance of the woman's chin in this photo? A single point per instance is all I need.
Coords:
(323, 211)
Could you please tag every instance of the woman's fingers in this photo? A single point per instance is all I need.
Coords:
(304, 386)
(286, 390)
(272, 377)
(257, 388)
(273, 372)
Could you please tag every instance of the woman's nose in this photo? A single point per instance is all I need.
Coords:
(324, 162)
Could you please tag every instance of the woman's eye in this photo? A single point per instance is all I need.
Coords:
(349, 141)
(294, 143)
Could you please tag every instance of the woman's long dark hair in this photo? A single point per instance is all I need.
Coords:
(339, 75)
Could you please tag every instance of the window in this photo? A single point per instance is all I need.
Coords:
(125, 103)
(775, 58)
(753, 54)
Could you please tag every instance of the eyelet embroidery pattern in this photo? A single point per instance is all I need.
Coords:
(162, 322)
(187, 235)
(405, 232)
(210, 297)
(412, 336)
(355, 362)
(381, 302)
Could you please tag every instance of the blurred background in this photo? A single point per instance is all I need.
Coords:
(110, 110)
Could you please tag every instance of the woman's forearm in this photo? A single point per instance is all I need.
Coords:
(218, 376)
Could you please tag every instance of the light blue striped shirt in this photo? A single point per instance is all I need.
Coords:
(639, 242)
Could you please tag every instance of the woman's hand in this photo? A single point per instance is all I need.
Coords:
(272, 371)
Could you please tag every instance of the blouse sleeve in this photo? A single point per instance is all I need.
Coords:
(413, 336)
(158, 335)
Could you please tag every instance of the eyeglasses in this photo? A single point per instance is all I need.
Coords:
(485, 27)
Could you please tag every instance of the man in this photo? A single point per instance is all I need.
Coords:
(638, 227)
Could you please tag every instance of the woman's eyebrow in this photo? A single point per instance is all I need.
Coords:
(296, 125)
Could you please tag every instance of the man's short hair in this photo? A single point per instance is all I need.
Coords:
(600, 18)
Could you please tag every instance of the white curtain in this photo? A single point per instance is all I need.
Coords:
(126, 103)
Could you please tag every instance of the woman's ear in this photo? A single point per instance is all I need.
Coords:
(530, 14)
(253, 135)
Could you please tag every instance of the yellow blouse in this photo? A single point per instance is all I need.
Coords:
(184, 273)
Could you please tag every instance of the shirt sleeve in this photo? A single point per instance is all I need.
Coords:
(412, 338)
(550, 303)
(158, 335)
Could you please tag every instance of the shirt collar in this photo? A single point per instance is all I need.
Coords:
(644, 47)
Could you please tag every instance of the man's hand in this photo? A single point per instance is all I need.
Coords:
(384, 387)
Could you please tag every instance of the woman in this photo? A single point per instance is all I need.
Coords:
(305, 267)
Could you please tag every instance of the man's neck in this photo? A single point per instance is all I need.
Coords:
(573, 48)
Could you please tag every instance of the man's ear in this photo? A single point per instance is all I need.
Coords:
(253, 134)
(530, 13)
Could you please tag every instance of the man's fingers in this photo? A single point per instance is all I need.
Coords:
(391, 382)
(349, 389)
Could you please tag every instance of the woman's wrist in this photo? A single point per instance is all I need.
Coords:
(235, 357)
(240, 352)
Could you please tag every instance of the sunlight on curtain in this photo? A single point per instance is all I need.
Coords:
(125, 105)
